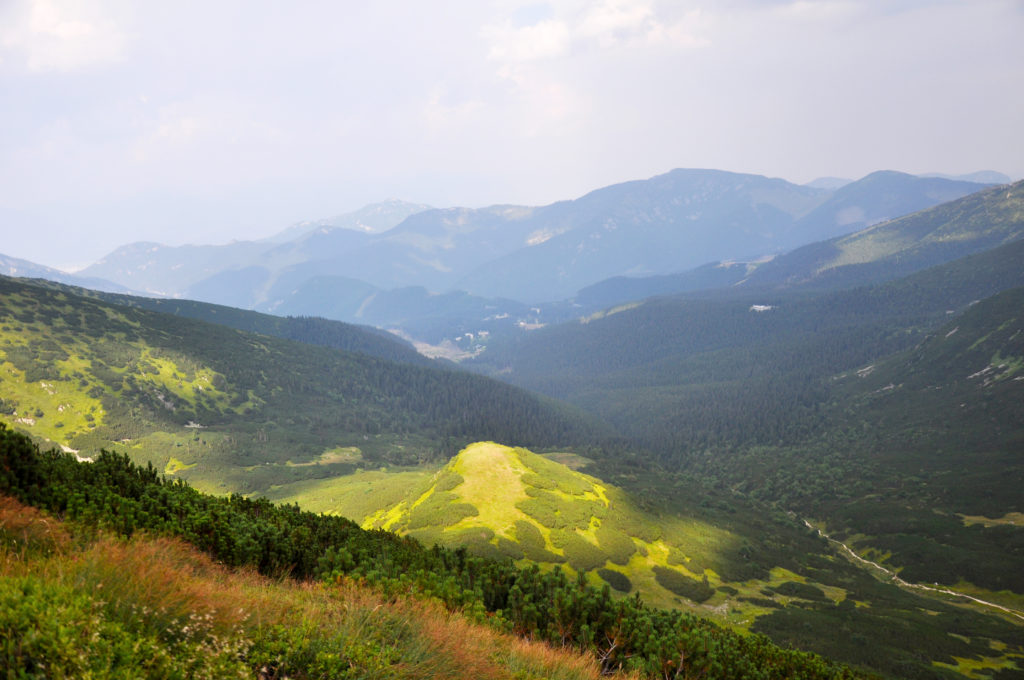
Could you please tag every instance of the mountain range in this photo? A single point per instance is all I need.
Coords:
(874, 254)
(810, 429)
(662, 225)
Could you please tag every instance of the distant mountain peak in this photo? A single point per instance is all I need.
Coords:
(373, 218)
(830, 183)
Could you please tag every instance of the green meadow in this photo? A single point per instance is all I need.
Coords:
(507, 502)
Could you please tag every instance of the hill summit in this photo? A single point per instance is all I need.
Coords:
(504, 502)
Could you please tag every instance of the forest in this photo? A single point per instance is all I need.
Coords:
(103, 375)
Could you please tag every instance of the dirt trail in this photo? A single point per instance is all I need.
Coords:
(894, 577)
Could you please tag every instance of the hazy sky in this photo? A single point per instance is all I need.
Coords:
(210, 121)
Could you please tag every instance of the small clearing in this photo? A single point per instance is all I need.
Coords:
(1011, 518)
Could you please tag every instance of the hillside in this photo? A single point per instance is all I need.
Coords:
(672, 542)
(114, 495)
(236, 411)
(762, 555)
(677, 372)
(952, 413)
(308, 329)
(79, 605)
(876, 198)
(621, 290)
(972, 224)
(425, 316)
(854, 408)
(917, 464)
(512, 503)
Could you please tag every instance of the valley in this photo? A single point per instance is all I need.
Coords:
(512, 340)
(820, 446)
(890, 575)
(239, 412)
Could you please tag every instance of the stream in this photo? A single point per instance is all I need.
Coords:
(894, 577)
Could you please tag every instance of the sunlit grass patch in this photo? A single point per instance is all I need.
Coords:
(985, 666)
(1012, 518)
(54, 408)
(174, 466)
(357, 496)
(339, 454)
(503, 501)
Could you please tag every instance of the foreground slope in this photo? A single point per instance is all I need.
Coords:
(125, 499)
(77, 605)
(234, 410)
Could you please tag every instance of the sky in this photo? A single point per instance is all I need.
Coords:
(206, 122)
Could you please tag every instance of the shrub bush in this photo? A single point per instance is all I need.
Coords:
(682, 585)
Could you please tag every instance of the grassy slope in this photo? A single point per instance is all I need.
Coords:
(86, 374)
(765, 572)
(513, 503)
(79, 605)
(115, 494)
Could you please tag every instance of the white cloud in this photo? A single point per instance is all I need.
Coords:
(819, 10)
(609, 25)
(442, 112)
(616, 21)
(59, 36)
(543, 40)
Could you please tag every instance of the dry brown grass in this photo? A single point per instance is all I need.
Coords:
(164, 584)
(23, 527)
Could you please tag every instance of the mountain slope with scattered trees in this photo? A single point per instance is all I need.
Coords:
(240, 411)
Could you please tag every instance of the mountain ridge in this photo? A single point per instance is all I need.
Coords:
(929, 237)
(659, 225)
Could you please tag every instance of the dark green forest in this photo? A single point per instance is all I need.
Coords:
(308, 329)
(854, 407)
